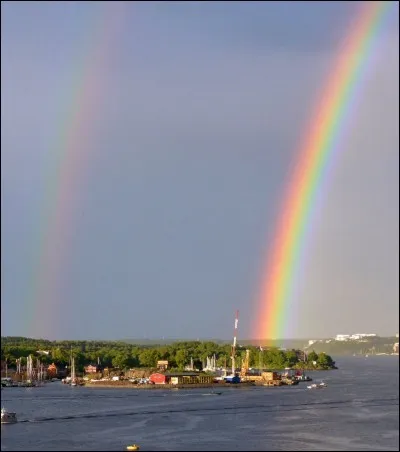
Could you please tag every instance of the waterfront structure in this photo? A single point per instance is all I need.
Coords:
(93, 369)
(162, 365)
(158, 378)
(176, 378)
(52, 371)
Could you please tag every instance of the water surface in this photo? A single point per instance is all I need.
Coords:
(359, 410)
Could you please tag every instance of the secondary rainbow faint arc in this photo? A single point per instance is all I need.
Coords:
(316, 151)
(73, 150)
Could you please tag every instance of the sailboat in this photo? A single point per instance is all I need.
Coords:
(39, 373)
(73, 376)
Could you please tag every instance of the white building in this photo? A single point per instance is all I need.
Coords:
(362, 335)
(353, 337)
(342, 337)
(397, 334)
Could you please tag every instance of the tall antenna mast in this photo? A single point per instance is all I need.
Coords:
(234, 343)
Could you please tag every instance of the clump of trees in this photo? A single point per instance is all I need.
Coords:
(125, 355)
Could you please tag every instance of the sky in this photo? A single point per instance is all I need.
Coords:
(186, 119)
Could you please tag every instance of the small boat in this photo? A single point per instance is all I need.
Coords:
(317, 386)
(7, 417)
(133, 447)
(302, 377)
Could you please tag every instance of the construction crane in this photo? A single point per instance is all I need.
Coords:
(245, 365)
(233, 353)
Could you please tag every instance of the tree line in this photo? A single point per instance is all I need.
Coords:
(179, 354)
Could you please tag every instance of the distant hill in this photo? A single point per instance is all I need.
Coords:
(281, 343)
(328, 345)
(165, 341)
(372, 345)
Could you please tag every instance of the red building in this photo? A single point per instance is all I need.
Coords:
(52, 371)
(158, 379)
(92, 369)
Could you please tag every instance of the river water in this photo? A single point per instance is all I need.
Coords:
(359, 410)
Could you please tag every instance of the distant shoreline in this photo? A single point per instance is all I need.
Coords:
(162, 386)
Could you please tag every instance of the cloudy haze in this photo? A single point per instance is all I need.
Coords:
(183, 157)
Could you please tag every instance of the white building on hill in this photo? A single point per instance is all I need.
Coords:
(354, 337)
(342, 337)
(362, 335)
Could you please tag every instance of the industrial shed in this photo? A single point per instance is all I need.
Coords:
(178, 378)
(188, 378)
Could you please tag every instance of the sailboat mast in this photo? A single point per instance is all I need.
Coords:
(234, 343)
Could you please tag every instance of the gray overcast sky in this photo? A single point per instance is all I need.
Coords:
(180, 168)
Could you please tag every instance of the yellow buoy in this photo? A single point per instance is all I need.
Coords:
(133, 447)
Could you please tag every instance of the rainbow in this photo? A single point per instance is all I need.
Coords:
(74, 143)
(321, 144)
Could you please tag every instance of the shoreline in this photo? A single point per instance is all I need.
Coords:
(167, 386)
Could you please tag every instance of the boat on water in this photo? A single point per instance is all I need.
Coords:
(301, 376)
(133, 447)
(317, 386)
(7, 417)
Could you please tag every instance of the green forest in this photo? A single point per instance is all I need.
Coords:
(124, 355)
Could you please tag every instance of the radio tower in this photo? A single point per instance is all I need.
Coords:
(234, 343)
